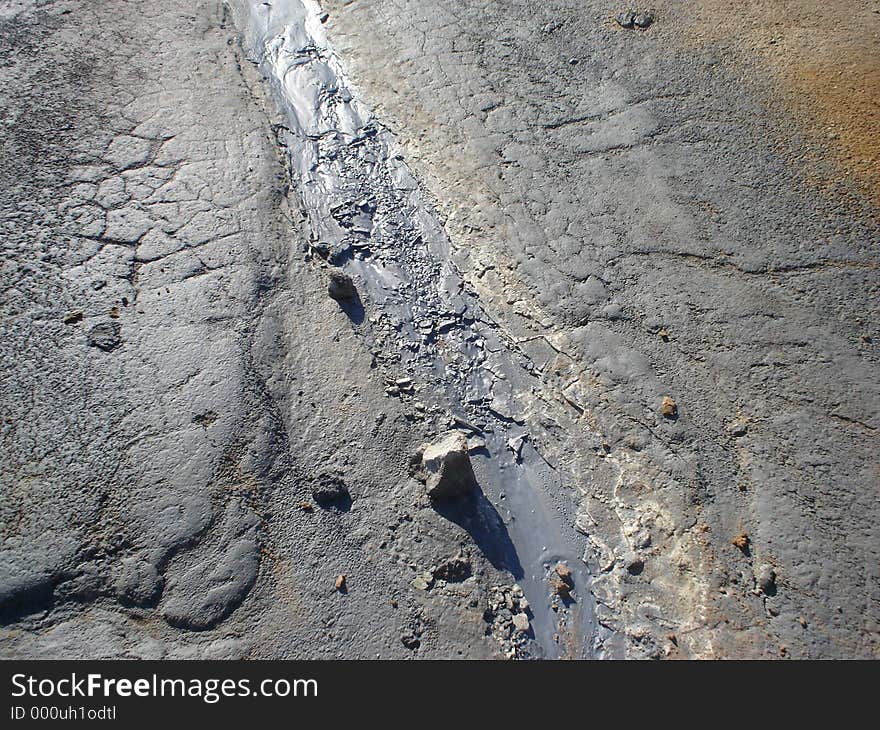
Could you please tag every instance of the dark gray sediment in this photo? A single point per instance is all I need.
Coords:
(367, 215)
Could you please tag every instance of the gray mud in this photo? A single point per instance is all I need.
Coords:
(598, 252)
(367, 215)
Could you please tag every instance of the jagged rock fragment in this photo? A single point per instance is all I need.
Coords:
(105, 336)
(668, 407)
(643, 19)
(625, 19)
(331, 492)
(521, 622)
(423, 581)
(738, 428)
(446, 467)
(564, 572)
(341, 287)
(765, 579)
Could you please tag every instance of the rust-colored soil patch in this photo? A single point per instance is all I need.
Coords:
(822, 59)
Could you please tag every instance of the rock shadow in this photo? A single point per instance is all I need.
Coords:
(353, 308)
(478, 517)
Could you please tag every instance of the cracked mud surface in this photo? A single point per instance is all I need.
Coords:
(623, 263)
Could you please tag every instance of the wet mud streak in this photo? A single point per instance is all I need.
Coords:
(366, 214)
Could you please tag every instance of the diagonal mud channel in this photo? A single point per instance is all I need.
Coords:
(442, 355)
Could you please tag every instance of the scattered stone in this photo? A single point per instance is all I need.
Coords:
(322, 248)
(672, 638)
(634, 564)
(331, 492)
(508, 621)
(563, 582)
(105, 336)
(446, 467)
(664, 335)
(643, 19)
(466, 424)
(114, 312)
(515, 444)
(738, 428)
(306, 506)
(564, 572)
(324, 17)
(411, 641)
(560, 587)
(668, 407)
(339, 583)
(73, 317)
(341, 287)
(423, 581)
(765, 579)
(523, 605)
(802, 621)
(625, 19)
(741, 541)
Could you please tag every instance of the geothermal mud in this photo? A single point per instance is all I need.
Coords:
(619, 261)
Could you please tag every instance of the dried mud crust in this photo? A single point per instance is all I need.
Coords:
(619, 201)
(176, 384)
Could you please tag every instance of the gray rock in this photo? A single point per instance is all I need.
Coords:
(341, 287)
(521, 622)
(446, 466)
(634, 564)
(105, 336)
(765, 579)
(738, 428)
(625, 19)
(331, 492)
(644, 19)
(423, 581)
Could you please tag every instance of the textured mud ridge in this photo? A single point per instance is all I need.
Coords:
(597, 253)
(199, 458)
(442, 353)
(642, 220)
